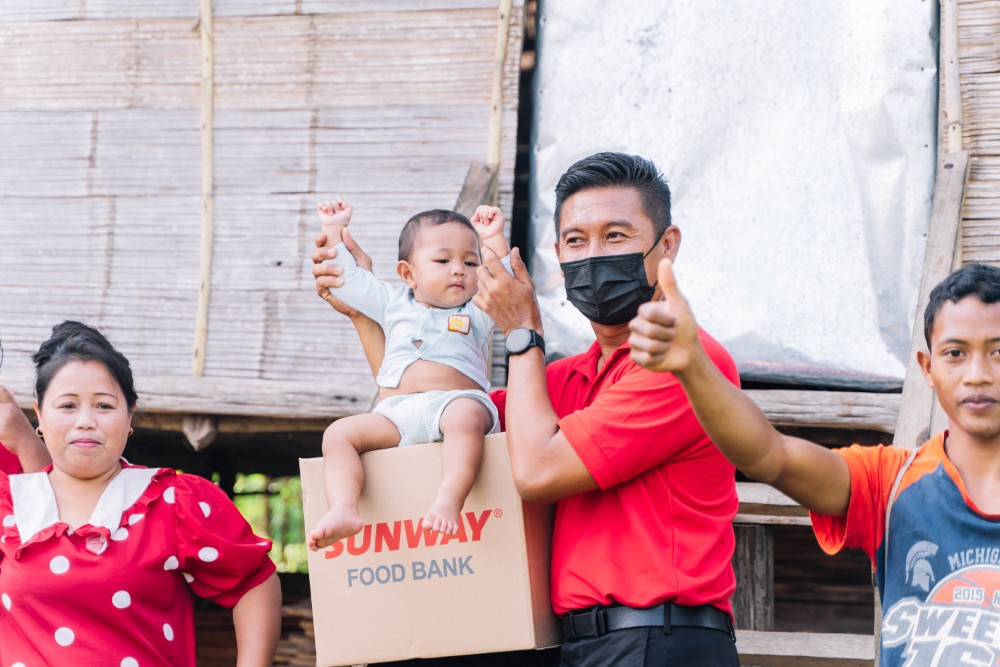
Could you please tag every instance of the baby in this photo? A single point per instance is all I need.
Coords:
(433, 378)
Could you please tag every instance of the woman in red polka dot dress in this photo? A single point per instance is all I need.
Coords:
(98, 558)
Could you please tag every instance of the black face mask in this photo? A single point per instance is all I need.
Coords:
(609, 289)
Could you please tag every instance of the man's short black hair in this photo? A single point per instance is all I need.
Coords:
(618, 170)
(438, 216)
(979, 279)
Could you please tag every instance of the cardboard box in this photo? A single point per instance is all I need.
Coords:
(395, 592)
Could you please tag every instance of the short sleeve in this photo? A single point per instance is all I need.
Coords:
(218, 552)
(361, 289)
(642, 421)
(9, 463)
(873, 472)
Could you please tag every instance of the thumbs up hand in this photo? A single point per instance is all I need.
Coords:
(664, 334)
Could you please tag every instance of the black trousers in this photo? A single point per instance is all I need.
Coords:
(650, 647)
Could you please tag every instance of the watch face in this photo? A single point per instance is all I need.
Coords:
(518, 340)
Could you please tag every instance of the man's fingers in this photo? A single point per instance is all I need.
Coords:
(518, 267)
(492, 262)
(361, 258)
(654, 313)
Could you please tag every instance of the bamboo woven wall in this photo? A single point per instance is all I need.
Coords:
(979, 70)
(385, 103)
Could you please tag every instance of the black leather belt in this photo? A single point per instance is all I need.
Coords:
(600, 620)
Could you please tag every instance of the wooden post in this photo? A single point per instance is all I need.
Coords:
(950, 74)
(479, 188)
(753, 561)
(207, 185)
(496, 97)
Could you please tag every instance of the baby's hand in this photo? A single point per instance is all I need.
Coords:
(488, 221)
(334, 212)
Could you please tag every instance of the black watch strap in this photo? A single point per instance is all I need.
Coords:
(521, 340)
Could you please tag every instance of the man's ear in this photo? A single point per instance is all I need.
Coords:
(405, 271)
(670, 242)
(924, 359)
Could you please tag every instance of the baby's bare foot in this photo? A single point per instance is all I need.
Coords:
(335, 525)
(442, 517)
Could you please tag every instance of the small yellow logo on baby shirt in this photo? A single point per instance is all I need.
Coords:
(460, 323)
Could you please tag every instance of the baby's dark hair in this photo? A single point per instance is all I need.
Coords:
(981, 280)
(73, 341)
(438, 216)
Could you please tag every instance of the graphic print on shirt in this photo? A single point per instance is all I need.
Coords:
(957, 624)
(941, 585)
(918, 568)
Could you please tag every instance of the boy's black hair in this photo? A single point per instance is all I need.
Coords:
(438, 216)
(618, 170)
(73, 341)
(979, 279)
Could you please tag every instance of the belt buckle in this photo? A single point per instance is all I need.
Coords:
(597, 624)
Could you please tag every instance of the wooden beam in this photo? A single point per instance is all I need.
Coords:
(200, 430)
(805, 649)
(260, 402)
(950, 78)
(496, 95)
(479, 188)
(761, 504)
(917, 406)
(836, 409)
(207, 185)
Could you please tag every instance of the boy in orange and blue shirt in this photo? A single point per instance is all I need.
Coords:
(928, 518)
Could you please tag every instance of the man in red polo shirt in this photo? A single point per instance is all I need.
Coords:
(21, 449)
(643, 540)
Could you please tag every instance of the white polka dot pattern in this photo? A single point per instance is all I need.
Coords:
(205, 508)
(169, 496)
(188, 578)
(171, 563)
(121, 599)
(64, 636)
(18, 664)
(168, 632)
(8, 520)
(208, 554)
(6, 601)
(130, 662)
(135, 518)
(59, 565)
(120, 535)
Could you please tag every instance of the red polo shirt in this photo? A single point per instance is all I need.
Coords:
(660, 526)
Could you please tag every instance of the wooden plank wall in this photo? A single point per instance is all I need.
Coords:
(979, 72)
(385, 103)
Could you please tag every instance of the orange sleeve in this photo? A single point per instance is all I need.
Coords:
(873, 471)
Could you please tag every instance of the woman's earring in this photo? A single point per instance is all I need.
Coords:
(38, 431)
(130, 431)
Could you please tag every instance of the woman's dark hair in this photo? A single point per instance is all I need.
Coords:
(438, 216)
(618, 170)
(73, 341)
(981, 280)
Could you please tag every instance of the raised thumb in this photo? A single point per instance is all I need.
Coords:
(665, 278)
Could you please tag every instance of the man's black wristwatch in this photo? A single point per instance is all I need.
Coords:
(521, 340)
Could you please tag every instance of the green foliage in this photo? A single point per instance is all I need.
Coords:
(273, 506)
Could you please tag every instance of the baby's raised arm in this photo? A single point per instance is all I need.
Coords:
(489, 222)
(334, 216)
